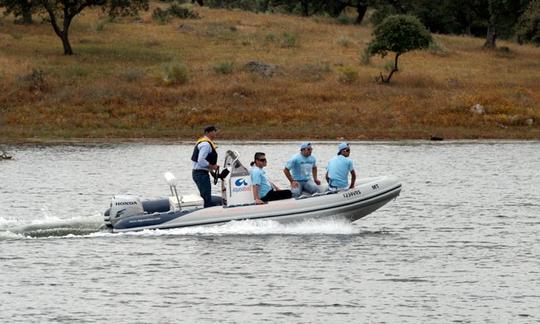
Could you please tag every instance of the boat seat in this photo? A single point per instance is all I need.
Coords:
(156, 205)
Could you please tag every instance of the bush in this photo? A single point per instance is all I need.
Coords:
(164, 16)
(161, 16)
(176, 73)
(182, 12)
(528, 25)
(132, 75)
(35, 80)
(288, 40)
(348, 75)
(314, 72)
(224, 67)
(344, 41)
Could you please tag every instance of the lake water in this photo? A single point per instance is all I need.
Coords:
(461, 244)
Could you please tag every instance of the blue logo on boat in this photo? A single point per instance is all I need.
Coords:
(241, 182)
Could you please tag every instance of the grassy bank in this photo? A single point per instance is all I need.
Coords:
(116, 86)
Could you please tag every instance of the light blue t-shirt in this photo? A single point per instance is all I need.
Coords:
(338, 170)
(258, 177)
(301, 166)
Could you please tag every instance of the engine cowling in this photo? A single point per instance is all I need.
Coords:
(125, 205)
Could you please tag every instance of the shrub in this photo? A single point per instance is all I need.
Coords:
(288, 40)
(176, 73)
(348, 75)
(35, 80)
(224, 67)
(161, 16)
(132, 75)
(344, 41)
(343, 19)
(365, 56)
(164, 16)
(182, 12)
(314, 72)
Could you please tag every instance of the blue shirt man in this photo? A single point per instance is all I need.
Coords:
(299, 170)
(259, 178)
(337, 171)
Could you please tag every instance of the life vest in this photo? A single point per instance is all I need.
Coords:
(211, 157)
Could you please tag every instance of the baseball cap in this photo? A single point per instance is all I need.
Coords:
(305, 145)
(342, 146)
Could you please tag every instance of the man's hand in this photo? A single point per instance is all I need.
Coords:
(317, 181)
(294, 184)
(213, 166)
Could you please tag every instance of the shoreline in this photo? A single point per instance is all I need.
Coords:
(157, 141)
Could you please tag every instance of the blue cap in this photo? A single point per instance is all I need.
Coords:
(342, 146)
(305, 145)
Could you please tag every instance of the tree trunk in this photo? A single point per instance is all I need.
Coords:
(305, 8)
(67, 46)
(264, 5)
(491, 37)
(361, 10)
(394, 69)
(26, 8)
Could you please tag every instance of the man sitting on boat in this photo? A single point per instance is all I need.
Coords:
(263, 189)
(299, 170)
(337, 171)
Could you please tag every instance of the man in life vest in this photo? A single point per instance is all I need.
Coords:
(204, 159)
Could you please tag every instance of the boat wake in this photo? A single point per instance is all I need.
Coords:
(91, 227)
(50, 226)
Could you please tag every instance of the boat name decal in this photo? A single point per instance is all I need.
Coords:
(120, 203)
(238, 189)
(352, 193)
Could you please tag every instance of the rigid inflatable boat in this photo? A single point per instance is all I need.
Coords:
(131, 213)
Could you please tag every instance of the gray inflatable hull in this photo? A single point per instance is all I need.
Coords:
(352, 204)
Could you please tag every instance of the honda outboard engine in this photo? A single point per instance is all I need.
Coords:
(121, 206)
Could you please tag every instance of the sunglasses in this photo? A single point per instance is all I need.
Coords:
(347, 150)
(262, 160)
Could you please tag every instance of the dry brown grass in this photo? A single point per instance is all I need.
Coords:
(113, 87)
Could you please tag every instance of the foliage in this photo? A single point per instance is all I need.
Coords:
(21, 8)
(398, 34)
(61, 13)
(528, 26)
(224, 67)
(348, 75)
(176, 73)
(288, 40)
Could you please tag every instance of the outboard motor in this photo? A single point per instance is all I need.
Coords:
(236, 189)
(122, 206)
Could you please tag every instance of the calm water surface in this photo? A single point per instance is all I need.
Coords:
(461, 243)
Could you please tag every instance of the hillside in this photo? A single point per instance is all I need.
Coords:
(114, 86)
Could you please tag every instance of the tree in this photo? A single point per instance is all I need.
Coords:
(528, 25)
(398, 34)
(62, 12)
(503, 15)
(20, 8)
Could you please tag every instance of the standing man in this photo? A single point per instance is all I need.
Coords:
(204, 159)
(299, 170)
(338, 169)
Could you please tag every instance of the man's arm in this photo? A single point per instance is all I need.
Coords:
(353, 179)
(314, 171)
(288, 174)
